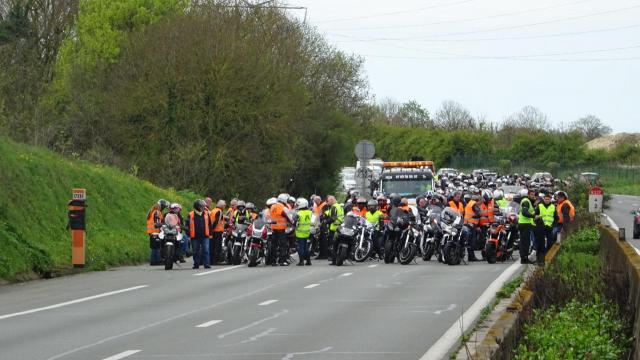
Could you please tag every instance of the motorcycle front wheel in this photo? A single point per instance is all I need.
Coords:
(450, 254)
(490, 252)
(362, 253)
(169, 253)
(389, 258)
(407, 254)
(254, 254)
(341, 255)
(428, 251)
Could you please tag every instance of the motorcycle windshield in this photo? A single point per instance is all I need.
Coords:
(350, 221)
(172, 220)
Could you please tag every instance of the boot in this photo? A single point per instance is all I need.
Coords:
(472, 256)
(300, 263)
(308, 263)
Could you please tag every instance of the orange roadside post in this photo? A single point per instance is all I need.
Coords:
(77, 224)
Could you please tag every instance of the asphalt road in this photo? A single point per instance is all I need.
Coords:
(619, 210)
(363, 311)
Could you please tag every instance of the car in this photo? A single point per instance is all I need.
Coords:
(478, 172)
(590, 178)
(542, 177)
(448, 171)
(636, 224)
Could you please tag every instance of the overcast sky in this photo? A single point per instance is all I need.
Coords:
(569, 58)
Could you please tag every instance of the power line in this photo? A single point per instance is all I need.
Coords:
(508, 59)
(395, 12)
(570, 18)
(462, 20)
(523, 37)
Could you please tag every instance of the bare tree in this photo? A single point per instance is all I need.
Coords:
(590, 127)
(453, 116)
(528, 118)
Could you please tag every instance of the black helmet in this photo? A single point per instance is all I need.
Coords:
(163, 204)
(395, 199)
(199, 205)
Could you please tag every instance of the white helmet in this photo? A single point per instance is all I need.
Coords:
(175, 207)
(498, 194)
(283, 198)
(272, 201)
(524, 193)
(302, 203)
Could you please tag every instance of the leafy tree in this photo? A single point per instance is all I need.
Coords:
(413, 114)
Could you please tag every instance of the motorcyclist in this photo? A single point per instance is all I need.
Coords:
(437, 203)
(253, 212)
(242, 214)
(278, 240)
(545, 218)
(199, 226)
(218, 223)
(176, 209)
(291, 203)
(320, 207)
(566, 213)
(374, 215)
(456, 203)
(333, 217)
(351, 201)
(526, 222)
(423, 207)
(361, 207)
(498, 196)
(303, 230)
(472, 215)
(155, 217)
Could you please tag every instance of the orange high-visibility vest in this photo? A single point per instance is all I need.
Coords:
(469, 214)
(487, 216)
(572, 211)
(278, 215)
(458, 208)
(317, 209)
(356, 210)
(151, 221)
(214, 215)
(192, 226)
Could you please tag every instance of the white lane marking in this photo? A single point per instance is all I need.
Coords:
(268, 302)
(619, 202)
(209, 323)
(255, 323)
(123, 355)
(311, 286)
(176, 317)
(372, 266)
(217, 270)
(89, 298)
(290, 356)
(449, 339)
(449, 308)
(346, 274)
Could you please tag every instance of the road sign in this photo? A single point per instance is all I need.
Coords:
(79, 194)
(596, 198)
(365, 150)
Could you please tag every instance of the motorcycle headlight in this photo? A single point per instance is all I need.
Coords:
(346, 231)
(161, 236)
(454, 232)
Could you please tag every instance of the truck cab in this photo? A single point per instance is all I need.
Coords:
(407, 178)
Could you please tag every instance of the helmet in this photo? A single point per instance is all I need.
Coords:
(291, 199)
(523, 193)
(250, 206)
(381, 197)
(241, 204)
(372, 203)
(395, 199)
(302, 203)
(467, 197)
(355, 193)
(271, 201)
(361, 200)
(283, 198)
(487, 195)
(498, 194)
(163, 204)
(176, 207)
(199, 205)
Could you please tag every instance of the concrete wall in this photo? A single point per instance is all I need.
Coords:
(623, 267)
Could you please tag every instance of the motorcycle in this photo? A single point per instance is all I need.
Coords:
(429, 240)
(346, 237)
(497, 245)
(171, 237)
(453, 243)
(258, 242)
(237, 243)
(399, 239)
(364, 246)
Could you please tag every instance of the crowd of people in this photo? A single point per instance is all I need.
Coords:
(542, 214)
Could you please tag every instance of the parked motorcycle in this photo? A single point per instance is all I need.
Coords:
(237, 243)
(364, 246)
(171, 237)
(346, 234)
(259, 231)
(453, 244)
(400, 240)
(431, 235)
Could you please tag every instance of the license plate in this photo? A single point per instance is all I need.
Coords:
(237, 243)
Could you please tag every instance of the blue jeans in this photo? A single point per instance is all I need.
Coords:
(185, 244)
(303, 251)
(154, 257)
(201, 252)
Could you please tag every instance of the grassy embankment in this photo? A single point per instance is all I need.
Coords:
(36, 186)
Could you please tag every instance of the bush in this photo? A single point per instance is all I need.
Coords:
(577, 331)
